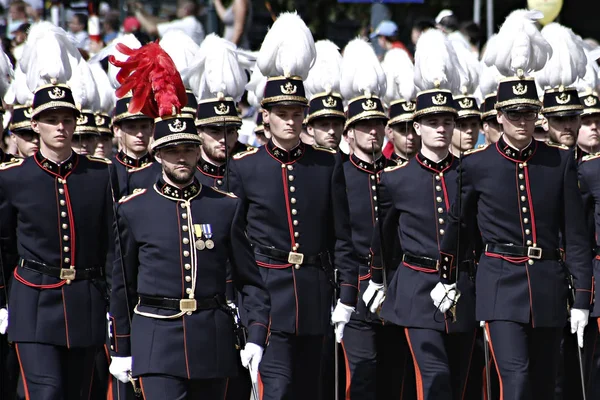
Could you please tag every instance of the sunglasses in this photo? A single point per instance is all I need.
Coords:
(518, 115)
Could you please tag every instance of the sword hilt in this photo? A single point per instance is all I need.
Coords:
(134, 382)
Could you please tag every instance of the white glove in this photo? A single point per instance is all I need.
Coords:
(374, 291)
(444, 296)
(339, 319)
(3, 320)
(579, 320)
(120, 368)
(251, 356)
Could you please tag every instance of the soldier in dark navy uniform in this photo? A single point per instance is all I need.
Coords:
(86, 134)
(217, 123)
(401, 132)
(523, 195)
(104, 147)
(181, 337)
(27, 141)
(562, 109)
(133, 163)
(297, 216)
(56, 217)
(491, 128)
(588, 139)
(441, 348)
(468, 125)
(325, 119)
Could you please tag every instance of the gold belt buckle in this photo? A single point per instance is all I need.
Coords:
(534, 252)
(187, 305)
(295, 258)
(67, 274)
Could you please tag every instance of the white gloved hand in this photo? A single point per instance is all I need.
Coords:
(579, 320)
(374, 292)
(120, 368)
(444, 296)
(339, 318)
(251, 356)
(3, 320)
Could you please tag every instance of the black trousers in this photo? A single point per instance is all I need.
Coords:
(442, 362)
(165, 387)
(9, 370)
(55, 372)
(240, 386)
(290, 367)
(526, 359)
(379, 365)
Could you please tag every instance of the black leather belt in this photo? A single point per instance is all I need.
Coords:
(166, 303)
(292, 257)
(535, 253)
(432, 264)
(63, 273)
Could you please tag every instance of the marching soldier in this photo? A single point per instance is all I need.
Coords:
(27, 141)
(491, 128)
(373, 352)
(86, 134)
(181, 342)
(441, 343)
(588, 139)
(297, 216)
(104, 147)
(51, 191)
(134, 165)
(468, 125)
(522, 194)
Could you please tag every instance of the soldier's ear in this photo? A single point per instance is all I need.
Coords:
(417, 127)
(265, 114)
(35, 126)
(157, 156)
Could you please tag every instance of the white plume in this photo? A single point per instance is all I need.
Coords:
(470, 68)
(288, 48)
(84, 89)
(7, 73)
(324, 76)
(436, 63)
(49, 56)
(399, 71)
(180, 47)
(519, 47)
(215, 71)
(488, 81)
(362, 73)
(19, 92)
(569, 60)
(106, 92)
(256, 87)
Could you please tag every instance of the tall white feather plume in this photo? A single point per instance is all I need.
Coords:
(7, 73)
(362, 73)
(83, 86)
(519, 47)
(591, 79)
(128, 40)
(399, 71)
(215, 71)
(288, 48)
(470, 68)
(569, 60)
(180, 47)
(19, 92)
(256, 87)
(106, 92)
(49, 56)
(436, 63)
(488, 81)
(324, 76)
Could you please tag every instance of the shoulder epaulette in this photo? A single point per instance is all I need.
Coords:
(395, 167)
(13, 162)
(136, 192)
(243, 154)
(99, 159)
(557, 145)
(590, 157)
(229, 194)
(326, 149)
(130, 170)
(478, 149)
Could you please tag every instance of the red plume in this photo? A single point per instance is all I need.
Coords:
(151, 76)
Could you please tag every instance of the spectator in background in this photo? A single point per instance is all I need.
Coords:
(446, 21)
(132, 25)
(187, 21)
(17, 15)
(78, 28)
(387, 37)
(236, 18)
(110, 26)
(471, 31)
(19, 38)
(419, 26)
